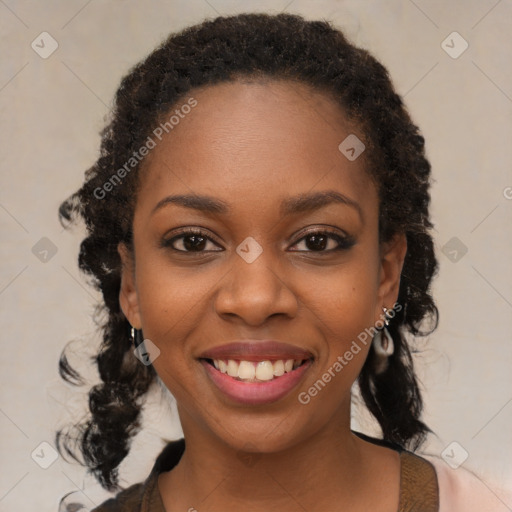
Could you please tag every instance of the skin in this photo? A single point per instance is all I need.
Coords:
(251, 145)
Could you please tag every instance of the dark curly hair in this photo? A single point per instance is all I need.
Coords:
(224, 49)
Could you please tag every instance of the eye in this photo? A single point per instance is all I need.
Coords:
(190, 240)
(195, 240)
(325, 241)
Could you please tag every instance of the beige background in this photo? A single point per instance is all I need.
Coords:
(51, 112)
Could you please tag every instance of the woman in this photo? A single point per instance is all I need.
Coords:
(258, 224)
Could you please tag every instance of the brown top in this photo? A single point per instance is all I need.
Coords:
(419, 490)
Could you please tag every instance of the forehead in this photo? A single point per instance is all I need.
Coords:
(259, 140)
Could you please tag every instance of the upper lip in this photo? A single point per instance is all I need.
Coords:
(256, 350)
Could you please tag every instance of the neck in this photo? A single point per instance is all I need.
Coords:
(327, 466)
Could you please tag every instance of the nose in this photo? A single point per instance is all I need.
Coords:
(253, 292)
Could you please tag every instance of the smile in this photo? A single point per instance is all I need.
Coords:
(255, 383)
(256, 371)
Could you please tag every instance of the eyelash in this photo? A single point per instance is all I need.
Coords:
(344, 242)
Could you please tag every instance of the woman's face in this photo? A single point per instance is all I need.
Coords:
(288, 252)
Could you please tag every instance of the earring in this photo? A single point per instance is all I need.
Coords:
(386, 316)
(383, 345)
(136, 337)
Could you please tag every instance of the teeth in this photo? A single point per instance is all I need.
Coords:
(246, 370)
(256, 370)
(232, 368)
(264, 370)
(279, 368)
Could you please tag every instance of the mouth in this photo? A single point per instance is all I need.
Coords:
(256, 372)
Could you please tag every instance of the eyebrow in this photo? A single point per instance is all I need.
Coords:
(289, 206)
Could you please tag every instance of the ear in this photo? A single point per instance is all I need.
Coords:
(392, 256)
(128, 299)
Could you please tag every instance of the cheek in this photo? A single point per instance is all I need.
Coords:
(167, 291)
(342, 304)
(345, 296)
(171, 304)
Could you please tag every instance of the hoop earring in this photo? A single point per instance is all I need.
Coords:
(136, 336)
(383, 343)
(383, 346)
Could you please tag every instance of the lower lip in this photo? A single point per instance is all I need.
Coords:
(256, 393)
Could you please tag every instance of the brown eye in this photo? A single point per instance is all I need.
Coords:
(193, 242)
(317, 241)
(190, 241)
(325, 241)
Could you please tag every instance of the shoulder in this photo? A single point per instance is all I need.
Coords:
(127, 500)
(145, 495)
(461, 490)
(418, 484)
